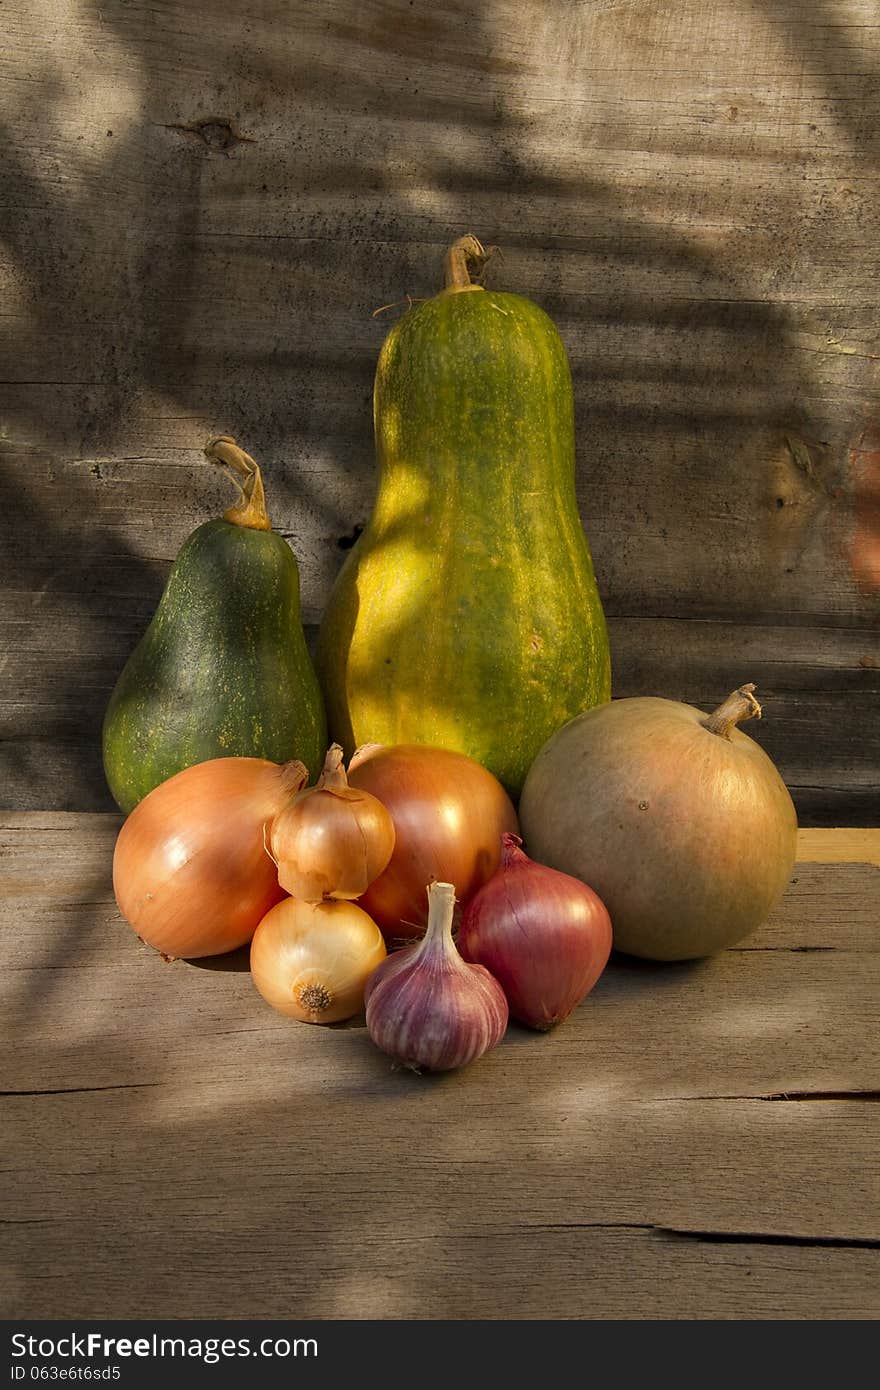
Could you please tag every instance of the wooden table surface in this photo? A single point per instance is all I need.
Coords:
(695, 1142)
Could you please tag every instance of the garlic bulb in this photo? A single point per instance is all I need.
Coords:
(428, 1008)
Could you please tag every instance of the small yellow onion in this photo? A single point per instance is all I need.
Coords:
(311, 961)
(331, 840)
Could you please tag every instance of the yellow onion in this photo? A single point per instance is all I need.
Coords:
(331, 840)
(449, 814)
(311, 961)
(190, 869)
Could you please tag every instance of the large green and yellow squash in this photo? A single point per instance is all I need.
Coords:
(467, 614)
(223, 669)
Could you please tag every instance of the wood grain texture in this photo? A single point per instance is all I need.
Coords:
(202, 210)
(696, 1141)
(846, 845)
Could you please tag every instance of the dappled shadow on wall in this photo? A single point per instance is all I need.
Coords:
(213, 261)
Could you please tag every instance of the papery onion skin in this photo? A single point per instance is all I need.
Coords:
(190, 870)
(545, 936)
(687, 832)
(428, 1008)
(331, 840)
(311, 961)
(449, 814)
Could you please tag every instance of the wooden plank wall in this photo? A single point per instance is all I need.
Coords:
(203, 203)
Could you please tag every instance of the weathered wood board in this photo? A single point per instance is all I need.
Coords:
(694, 1142)
(199, 216)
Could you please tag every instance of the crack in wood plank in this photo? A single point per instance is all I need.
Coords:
(797, 950)
(715, 1237)
(82, 1090)
(763, 1238)
(857, 1095)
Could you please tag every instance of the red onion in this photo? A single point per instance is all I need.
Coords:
(545, 936)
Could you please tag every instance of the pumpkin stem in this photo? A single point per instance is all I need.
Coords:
(740, 705)
(251, 510)
(455, 264)
(333, 772)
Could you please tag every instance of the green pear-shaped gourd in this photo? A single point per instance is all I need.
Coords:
(467, 614)
(223, 669)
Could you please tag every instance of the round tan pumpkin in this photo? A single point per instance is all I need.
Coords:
(677, 819)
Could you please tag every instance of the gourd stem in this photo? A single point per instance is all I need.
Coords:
(740, 705)
(333, 772)
(251, 510)
(455, 264)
